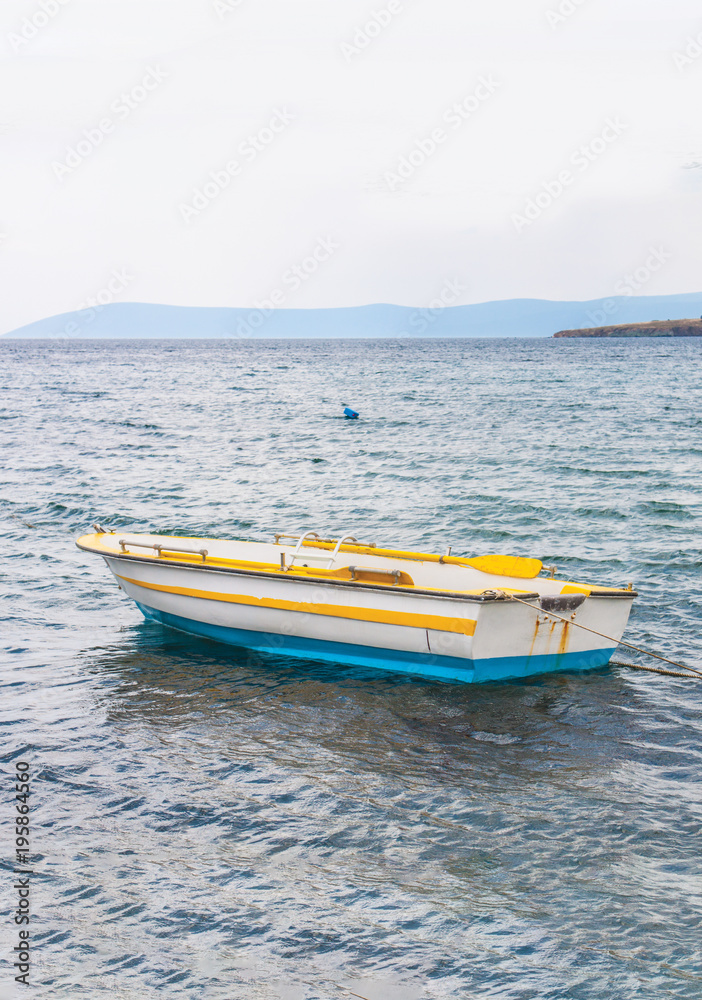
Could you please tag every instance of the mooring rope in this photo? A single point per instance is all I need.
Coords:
(647, 652)
(651, 670)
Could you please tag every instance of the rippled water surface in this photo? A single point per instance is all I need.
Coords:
(207, 823)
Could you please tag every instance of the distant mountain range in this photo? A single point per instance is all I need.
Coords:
(508, 318)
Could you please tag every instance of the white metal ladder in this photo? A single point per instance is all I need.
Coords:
(328, 557)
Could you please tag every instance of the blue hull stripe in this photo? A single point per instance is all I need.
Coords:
(447, 668)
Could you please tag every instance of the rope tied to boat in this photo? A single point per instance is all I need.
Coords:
(692, 671)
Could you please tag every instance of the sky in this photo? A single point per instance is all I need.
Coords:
(200, 152)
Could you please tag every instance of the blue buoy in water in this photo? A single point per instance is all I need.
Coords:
(350, 414)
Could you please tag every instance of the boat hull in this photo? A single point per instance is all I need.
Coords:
(428, 665)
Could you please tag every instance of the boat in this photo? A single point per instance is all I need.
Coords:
(454, 618)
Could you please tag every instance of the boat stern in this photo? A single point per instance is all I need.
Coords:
(541, 634)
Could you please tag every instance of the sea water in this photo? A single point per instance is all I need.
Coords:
(207, 823)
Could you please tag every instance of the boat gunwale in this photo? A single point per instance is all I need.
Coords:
(491, 597)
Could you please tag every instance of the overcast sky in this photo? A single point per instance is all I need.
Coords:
(193, 152)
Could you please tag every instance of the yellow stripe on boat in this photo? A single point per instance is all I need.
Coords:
(440, 623)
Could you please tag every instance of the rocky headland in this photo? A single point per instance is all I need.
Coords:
(657, 328)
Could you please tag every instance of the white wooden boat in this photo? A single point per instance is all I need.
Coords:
(455, 618)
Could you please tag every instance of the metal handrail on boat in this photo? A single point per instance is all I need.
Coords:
(397, 573)
(328, 558)
(314, 537)
(345, 538)
(123, 542)
(300, 543)
(283, 534)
